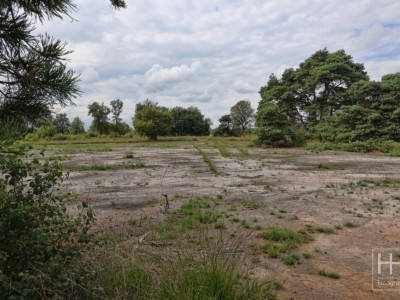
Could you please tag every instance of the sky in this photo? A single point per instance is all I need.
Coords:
(212, 54)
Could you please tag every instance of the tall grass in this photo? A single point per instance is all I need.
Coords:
(183, 274)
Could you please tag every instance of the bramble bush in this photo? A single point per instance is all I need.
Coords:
(39, 241)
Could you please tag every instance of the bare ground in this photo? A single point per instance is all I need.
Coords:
(323, 190)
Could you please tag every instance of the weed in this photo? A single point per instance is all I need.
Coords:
(325, 230)
(333, 275)
(350, 224)
(323, 166)
(291, 259)
(128, 155)
(220, 225)
(282, 240)
(207, 160)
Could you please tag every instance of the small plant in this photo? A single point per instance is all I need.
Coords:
(350, 224)
(258, 227)
(324, 230)
(291, 259)
(220, 225)
(281, 240)
(232, 208)
(306, 255)
(333, 275)
(128, 155)
(244, 224)
(323, 166)
(282, 211)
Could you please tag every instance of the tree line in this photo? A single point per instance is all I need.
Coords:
(150, 120)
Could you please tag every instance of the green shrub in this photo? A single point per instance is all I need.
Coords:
(39, 241)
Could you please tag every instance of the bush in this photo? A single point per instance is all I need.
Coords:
(45, 131)
(39, 241)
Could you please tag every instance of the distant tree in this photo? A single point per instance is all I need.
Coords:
(46, 131)
(62, 123)
(242, 115)
(116, 109)
(100, 114)
(189, 121)
(152, 122)
(149, 103)
(118, 127)
(77, 126)
(225, 127)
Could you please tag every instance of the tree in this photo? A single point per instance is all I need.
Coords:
(116, 110)
(375, 114)
(242, 115)
(152, 122)
(39, 240)
(33, 73)
(274, 129)
(99, 113)
(316, 89)
(62, 123)
(149, 103)
(77, 126)
(189, 121)
(118, 127)
(225, 127)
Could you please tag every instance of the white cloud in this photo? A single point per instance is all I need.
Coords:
(212, 53)
(159, 78)
(89, 75)
(243, 87)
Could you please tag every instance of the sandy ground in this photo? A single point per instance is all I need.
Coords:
(274, 179)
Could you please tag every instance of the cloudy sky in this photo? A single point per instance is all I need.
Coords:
(211, 54)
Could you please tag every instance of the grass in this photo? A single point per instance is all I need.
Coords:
(192, 215)
(281, 240)
(207, 160)
(104, 167)
(222, 150)
(332, 275)
(323, 166)
(291, 259)
(324, 230)
(217, 275)
(128, 155)
(350, 224)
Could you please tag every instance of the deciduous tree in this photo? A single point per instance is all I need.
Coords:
(100, 113)
(242, 115)
(77, 126)
(152, 122)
